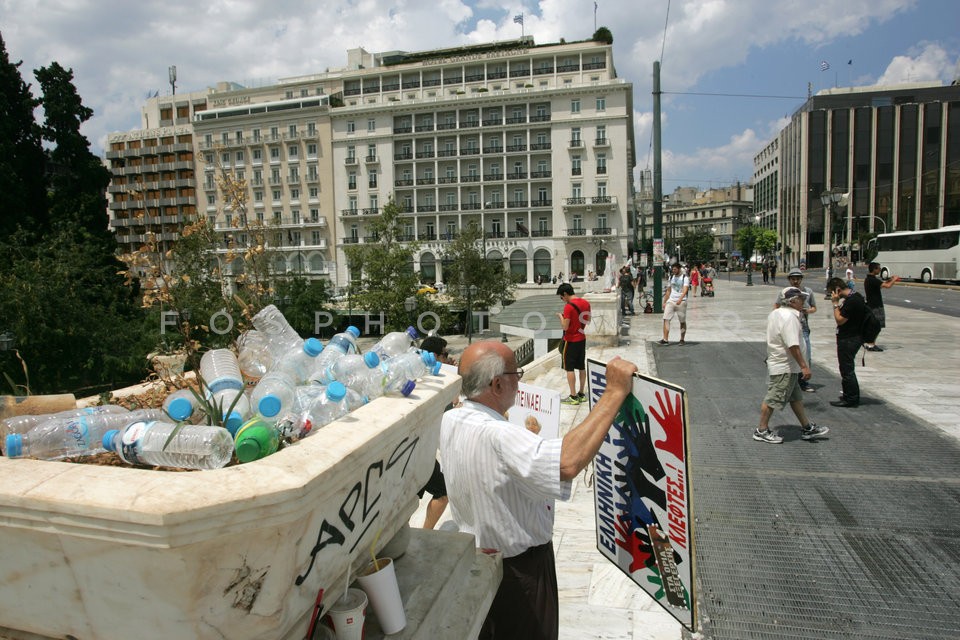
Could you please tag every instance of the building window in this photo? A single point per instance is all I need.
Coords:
(601, 163)
(577, 190)
(258, 196)
(601, 104)
(257, 154)
(277, 195)
(602, 189)
(351, 126)
(293, 151)
(294, 194)
(311, 149)
(292, 130)
(371, 125)
(256, 135)
(239, 157)
(275, 154)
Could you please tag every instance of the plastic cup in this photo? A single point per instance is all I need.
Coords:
(348, 614)
(379, 580)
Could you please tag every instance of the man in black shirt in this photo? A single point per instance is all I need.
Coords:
(872, 285)
(849, 309)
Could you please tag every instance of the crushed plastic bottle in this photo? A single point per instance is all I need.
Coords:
(322, 410)
(300, 361)
(339, 345)
(193, 446)
(22, 424)
(253, 354)
(281, 337)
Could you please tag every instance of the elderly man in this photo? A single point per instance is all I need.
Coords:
(502, 481)
(786, 366)
(795, 277)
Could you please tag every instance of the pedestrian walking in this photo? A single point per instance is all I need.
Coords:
(872, 288)
(786, 366)
(849, 309)
(795, 278)
(675, 303)
(765, 270)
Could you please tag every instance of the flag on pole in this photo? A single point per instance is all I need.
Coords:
(518, 18)
(824, 65)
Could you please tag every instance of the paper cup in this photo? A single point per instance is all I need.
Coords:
(379, 580)
(347, 615)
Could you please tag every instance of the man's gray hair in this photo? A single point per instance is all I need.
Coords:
(484, 369)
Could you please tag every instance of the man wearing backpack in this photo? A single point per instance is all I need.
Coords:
(849, 312)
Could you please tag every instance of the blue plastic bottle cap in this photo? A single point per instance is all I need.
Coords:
(180, 409)
(428, 358)
(408, 387)
(107, 440)
(312, 347)
(233, 422)
(269, 405)
(352, 329)
(336, 391)
(412, 333)
(14, 446)
(371, 359)
(248, 450)
(436, 369)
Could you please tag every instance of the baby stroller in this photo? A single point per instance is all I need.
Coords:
(707, 288)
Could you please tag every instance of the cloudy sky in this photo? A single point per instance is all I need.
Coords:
(762, 55)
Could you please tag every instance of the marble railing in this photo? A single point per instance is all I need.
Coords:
(99, 552)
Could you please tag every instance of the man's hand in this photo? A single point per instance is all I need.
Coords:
(805, 373)
(620, 374)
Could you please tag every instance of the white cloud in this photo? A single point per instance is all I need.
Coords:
(931, 62)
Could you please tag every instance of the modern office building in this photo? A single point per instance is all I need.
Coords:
(531, 143)
(895, 152)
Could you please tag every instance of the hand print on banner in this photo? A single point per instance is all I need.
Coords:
(641, 460)
(632, 540)
(671, 421)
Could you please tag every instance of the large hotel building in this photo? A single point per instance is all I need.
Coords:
(532, 143)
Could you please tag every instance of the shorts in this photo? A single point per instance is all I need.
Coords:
(436, 485)
(573, 355)
(782, 389)
(880, 315)
(675, 309)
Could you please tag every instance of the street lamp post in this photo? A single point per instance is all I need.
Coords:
(410, 305)
(750, 249)
(469, 293)
(829, 199)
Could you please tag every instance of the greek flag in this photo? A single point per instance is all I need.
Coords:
(824, 65)
(518, 18)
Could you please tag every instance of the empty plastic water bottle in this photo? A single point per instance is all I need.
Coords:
(193, 446)
(322, 411)
(22, 424)
(340, 344)
(224, 382)
(274, 394)
(401, 372)
(351, 369)
(300, 361)
(395, 343)
(256, 439)
(182, 405)
(73, 436)
(253, 354)
(281, 337)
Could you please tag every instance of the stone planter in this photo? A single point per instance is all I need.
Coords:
(105, 553)
(168, 366)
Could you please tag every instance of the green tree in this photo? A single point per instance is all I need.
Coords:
(464, 265)
(300, 299)
(696, 246)
(756, 240)
(387, 276)
(603, 35)
(23, 200)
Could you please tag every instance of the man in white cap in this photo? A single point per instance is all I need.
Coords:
(786, 366)
(795, 277)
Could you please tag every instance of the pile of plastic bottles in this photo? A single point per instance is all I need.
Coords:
(276, 389)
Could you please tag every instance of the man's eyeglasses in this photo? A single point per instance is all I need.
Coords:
(518, 373)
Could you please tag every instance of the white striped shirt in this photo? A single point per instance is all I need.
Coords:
(501, 479)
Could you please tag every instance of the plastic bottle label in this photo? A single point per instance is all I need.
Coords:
(79, 431)
(220, 384)
(129, 439)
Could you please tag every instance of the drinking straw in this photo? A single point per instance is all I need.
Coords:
(373, 552)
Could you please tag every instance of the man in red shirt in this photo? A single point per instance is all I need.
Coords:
(573, 350)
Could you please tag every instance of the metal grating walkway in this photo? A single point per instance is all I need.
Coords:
(853, 536)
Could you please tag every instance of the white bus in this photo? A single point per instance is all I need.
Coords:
(922, 255)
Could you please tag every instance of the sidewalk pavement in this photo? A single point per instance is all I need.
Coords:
(918, 374)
